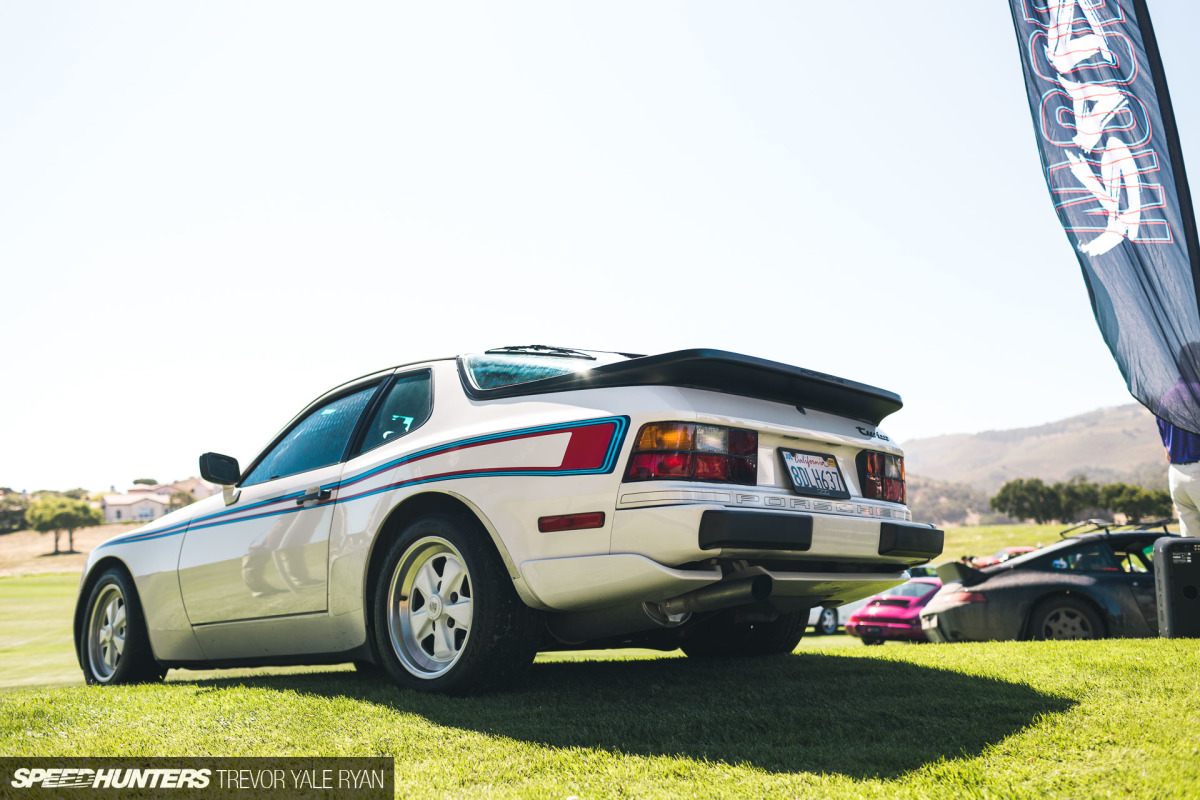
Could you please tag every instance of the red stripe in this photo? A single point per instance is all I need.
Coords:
(588, 447)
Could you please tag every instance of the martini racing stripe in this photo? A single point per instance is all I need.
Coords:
(592, 450)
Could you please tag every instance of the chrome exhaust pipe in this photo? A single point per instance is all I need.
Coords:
(738, 592)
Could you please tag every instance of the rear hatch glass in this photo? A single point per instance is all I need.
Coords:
(492, 370)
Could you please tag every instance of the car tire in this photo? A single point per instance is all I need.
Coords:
(721, 637)
(447, 618)
(363, 667)
(115, 648)
(827, 623)
(779, 637)
(1065, 618)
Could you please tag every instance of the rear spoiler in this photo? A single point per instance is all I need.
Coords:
(718, 371)
(958, 572)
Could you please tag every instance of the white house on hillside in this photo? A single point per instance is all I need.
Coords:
(143, 503)
(139, 507)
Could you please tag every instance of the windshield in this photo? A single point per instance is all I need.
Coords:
(910, 590)
(492, 370)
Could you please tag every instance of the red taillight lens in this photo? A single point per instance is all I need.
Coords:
(712, 468)
(743, 443)
(673, 464)
(646, 466)
(964, 597)
(690, 452)
(881, 476)
(743, 471)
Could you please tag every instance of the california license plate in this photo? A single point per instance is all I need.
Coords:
(814, 474)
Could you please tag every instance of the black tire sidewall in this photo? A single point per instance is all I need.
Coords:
(780, 637)
(137, 664)
(502, 635)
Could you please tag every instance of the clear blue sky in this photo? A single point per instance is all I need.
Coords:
(210, 213)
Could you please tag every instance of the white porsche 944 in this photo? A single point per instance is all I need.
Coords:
(446, 520)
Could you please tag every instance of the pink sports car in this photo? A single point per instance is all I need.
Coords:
(895, 614)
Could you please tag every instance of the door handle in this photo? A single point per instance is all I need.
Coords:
(315, 493)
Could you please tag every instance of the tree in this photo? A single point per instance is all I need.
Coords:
(145, 482)
(1076, 496)
(76, 494)
(1135, 502)
(181, 498)
(60, 514)
(12, 511)
(1028, 498)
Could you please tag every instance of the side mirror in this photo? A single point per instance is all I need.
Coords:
(219, 469)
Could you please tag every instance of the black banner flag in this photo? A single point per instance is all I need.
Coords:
(1111, 156)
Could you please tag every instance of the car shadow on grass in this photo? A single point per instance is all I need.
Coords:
(854, 716)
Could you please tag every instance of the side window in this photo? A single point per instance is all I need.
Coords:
(1089, 558)
(1138, 558)
(316, 441)
(404, 409)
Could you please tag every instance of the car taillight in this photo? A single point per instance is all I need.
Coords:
(963, 597)
(690, 452)
(881, 476)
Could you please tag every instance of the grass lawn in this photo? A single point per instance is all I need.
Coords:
(1014, 719)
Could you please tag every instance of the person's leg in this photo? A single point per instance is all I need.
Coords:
(1184, 480)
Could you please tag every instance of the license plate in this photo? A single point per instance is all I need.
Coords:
(871, 630)
(929, 622)
(815, 474)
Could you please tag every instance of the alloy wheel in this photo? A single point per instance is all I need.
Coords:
(1067, 623)
(106, 632)
(430, 607)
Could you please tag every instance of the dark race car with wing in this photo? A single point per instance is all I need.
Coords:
(1089, 586)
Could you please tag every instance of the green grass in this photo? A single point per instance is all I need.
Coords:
(35, 630)
(36, 646)
(1014, 719)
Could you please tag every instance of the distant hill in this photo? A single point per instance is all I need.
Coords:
(947, 503)
(1111, 445)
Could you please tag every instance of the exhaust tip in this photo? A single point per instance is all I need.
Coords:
(761, 586)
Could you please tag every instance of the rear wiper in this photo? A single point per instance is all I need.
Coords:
(542, 350)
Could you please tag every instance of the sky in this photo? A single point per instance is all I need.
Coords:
(212, 213)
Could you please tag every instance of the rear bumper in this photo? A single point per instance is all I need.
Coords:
(970, 622)
(903, 631)
(685, 533)
(646, 540)
(594, 582)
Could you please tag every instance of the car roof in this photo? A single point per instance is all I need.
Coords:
(1119, 537)
(535, 349)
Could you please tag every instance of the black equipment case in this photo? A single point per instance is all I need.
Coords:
(1177, 585)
